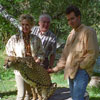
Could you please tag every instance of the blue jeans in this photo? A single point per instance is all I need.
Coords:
(78, 85)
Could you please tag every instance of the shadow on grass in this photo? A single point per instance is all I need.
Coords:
(8, 93)
(61, 93)
(94, 98)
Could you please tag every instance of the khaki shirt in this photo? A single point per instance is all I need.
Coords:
(80, 51)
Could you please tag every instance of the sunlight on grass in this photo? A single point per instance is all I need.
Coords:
(7, 85)
(94, 92)
(8, 89)
(59, 79)
(2, 54)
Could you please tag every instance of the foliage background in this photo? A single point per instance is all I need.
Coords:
(56, 9)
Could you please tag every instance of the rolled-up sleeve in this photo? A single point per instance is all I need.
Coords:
(62, 61)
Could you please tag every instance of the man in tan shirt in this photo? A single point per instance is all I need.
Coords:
(79, 54)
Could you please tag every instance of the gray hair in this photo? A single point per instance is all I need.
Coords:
(44, 15)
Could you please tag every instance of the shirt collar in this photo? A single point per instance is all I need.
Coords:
(79, 28)
(43, 33)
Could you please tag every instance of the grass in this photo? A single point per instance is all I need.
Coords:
(7, 82)
(94, 93)
(59, 79)
(8, 90)
(8, 85)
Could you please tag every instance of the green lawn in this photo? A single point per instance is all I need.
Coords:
(8, 86)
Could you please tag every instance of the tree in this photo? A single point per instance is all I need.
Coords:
(55, 8)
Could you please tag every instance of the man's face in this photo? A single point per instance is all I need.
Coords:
(73, 20)
(44, 24)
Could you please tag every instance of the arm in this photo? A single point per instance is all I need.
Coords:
(53, 52)
(61, 63)
(37, 49)
(92, 50)
(52, 58)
